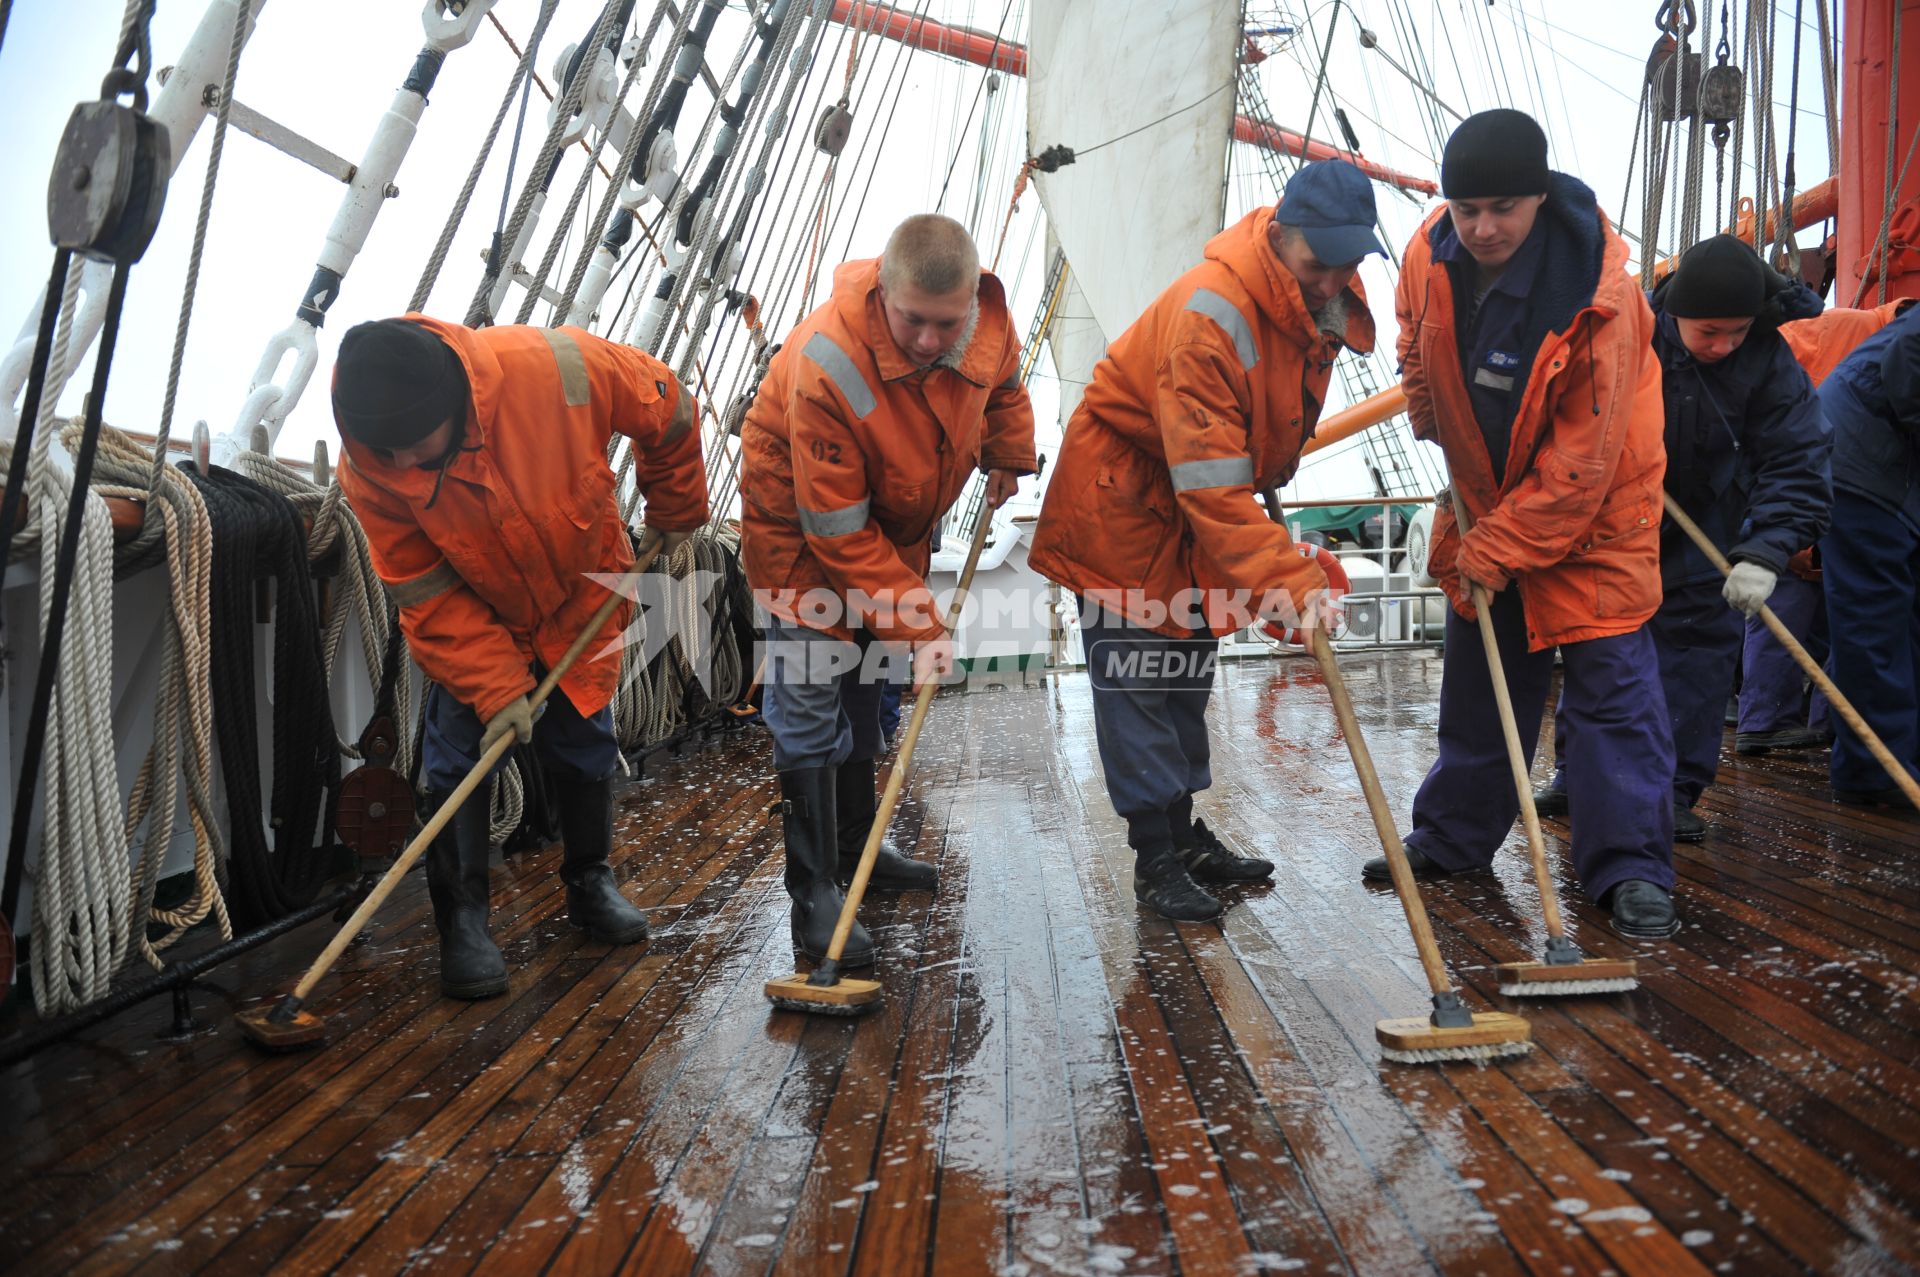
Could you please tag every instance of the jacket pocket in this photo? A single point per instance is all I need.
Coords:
(1620, 556)
(1133, 524)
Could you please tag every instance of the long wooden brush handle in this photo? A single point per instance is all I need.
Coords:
(438, 821)
(897, 778)
(1841, 705)
(1403, 884)
(1516, 753)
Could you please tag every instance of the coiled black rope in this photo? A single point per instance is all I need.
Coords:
(258, 536)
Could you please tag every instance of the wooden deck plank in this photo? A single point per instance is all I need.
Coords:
(1057, 1082)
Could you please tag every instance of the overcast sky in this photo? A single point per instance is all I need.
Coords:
(329, 72)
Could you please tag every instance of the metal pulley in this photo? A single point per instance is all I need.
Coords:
(835, 127)
(1722, 89)
(109, 182)
(1673, 71)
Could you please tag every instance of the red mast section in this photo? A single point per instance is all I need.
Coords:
(1873, 68)
(982, 48)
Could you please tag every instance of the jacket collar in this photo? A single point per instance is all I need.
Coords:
(856, 299)
(1243, 249)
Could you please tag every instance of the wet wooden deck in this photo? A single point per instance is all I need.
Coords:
(1056, 1083)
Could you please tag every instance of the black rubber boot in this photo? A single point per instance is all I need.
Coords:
(1551, 798)
(1376, 870)
(1687, 826)
(1207, 858)
(807, 811)
(1642, 911)
(470, 962)
(594, 903)
(855, 803)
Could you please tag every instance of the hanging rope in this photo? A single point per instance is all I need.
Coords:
(182, 536)
(256, 535)
(82, 889)
(358, 597)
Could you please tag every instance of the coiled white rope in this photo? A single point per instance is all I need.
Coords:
(83, 889)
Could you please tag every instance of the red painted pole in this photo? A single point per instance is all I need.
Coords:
(983, 48)
(1868, 73)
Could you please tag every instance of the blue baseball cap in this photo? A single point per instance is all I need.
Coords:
(1331, 202)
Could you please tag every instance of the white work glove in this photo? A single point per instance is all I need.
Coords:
(1749, 586)
(515, 717)
(668, 541)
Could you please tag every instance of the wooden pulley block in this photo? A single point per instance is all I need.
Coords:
(109, 182)
(374, 809)
(835, 127)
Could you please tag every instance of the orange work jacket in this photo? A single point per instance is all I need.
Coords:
(494, 575)
(1205, 400)
(851, 453)
(1575, 522)
(1820, 343)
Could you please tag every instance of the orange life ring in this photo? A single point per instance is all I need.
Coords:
(1337, 582)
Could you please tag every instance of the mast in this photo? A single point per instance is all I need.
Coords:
(1877, 64)
(985, 49)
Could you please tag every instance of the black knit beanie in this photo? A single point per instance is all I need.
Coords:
(1718, 278)
(1495, 154)
(394, 383)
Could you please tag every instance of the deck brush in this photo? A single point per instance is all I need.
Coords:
(826, 991)
(1452, 1032)
(283, 1027)
(1565, 972)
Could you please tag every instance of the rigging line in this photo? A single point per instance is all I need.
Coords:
(786, 262)
(547, 92)
(790, 162)
(444, 244)
(992, 52)
(479, 310)
(1408, 36)
(1877, 258)
(902, 60)
(1081, 152)
(216, 147)
(1320, 81)
(1893, 128)
(538, 283)
(1784, 234)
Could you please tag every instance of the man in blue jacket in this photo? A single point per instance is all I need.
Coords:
(1748, 460)
(1871, 557)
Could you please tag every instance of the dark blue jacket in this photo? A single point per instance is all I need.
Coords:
(1872, 405)
(1748, 456)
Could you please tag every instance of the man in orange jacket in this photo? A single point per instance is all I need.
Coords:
(477, 462)
(1151, 519)
(870, 420)
(1526, 352)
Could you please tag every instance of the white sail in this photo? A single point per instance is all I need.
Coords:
(1144, 95)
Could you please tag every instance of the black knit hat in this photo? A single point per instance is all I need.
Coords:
(394, 383)
(1718, 278)
(1495, 154)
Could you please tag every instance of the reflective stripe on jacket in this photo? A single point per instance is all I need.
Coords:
(493, 575)
(1576, 521)
(1205, 400)
(851, 453)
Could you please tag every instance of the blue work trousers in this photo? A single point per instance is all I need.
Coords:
(1150, 695)
(565, 741)
(1697, 638)
(1871, 563)
(1619, 753)
(822, 700)
(1772, 684)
